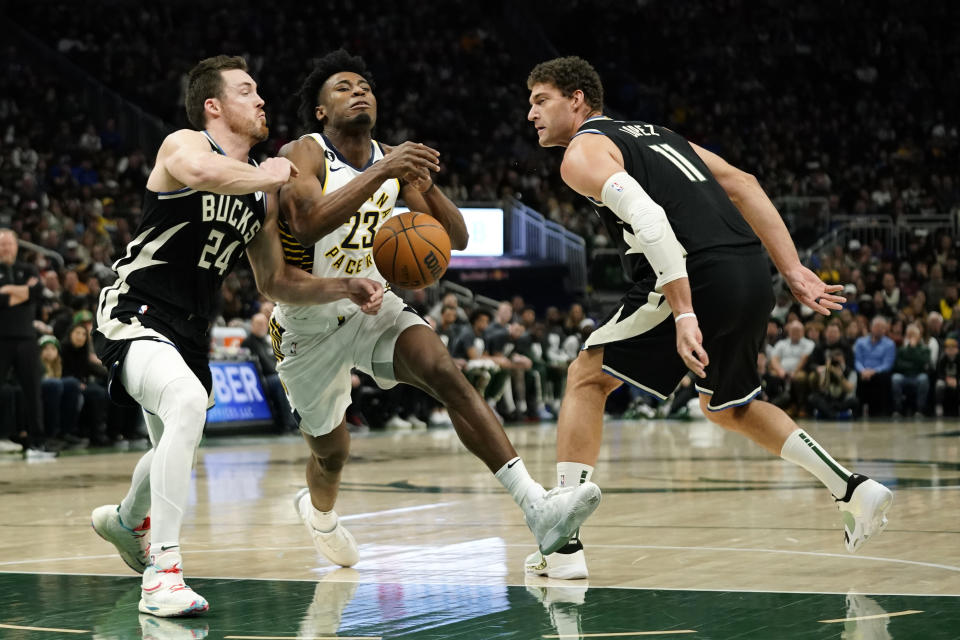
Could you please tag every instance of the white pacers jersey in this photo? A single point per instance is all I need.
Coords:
(346, 252)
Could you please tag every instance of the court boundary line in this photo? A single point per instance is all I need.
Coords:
(567, 583)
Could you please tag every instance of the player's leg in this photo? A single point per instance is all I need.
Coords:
(580, 424)
(126, 525)
(328, 454)
(156, 375)
(420, 358)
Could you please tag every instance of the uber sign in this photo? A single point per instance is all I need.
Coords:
(238, 393)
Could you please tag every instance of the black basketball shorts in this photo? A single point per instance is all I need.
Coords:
(732, 296)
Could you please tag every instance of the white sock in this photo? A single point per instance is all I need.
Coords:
(570, 474)
(515, 479)
(802, 450)
(323, 521)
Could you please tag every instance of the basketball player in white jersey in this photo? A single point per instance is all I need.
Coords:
(206, 202)
(348, 185)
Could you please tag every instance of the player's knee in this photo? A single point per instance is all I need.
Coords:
(186, 399)
(584, 372)
(332, 461)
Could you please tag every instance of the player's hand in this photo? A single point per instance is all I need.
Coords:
(814, 292)
(365, 293)
(280, 169)
(690, 346)
(421, 183)
(410, 161)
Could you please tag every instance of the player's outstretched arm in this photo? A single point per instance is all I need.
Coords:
(312, 213)
(185, 160)
(748, 196)
(282, 282)
(593, 166)
(423, 195)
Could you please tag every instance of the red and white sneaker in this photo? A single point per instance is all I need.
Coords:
(132, 544)
(163, 592)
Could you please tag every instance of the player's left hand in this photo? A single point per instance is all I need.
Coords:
(810, 290)
(690, 346)
(421, 183)
(366, 293)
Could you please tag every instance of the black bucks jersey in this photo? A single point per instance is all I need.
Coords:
(671, 172)
(171, 272)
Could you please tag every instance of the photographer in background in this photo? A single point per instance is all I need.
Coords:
(833, 386)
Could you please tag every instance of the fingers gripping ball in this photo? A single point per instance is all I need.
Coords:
(411, 250)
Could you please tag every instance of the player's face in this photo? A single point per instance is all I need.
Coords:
(552, 114)
(242, 105)
(347, 100)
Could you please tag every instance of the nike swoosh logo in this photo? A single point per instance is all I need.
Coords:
(173, 546)
(510, 464)
(335, 168)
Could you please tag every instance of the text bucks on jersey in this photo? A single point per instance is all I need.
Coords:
(347, 251)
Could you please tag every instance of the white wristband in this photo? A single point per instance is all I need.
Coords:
(689, 314)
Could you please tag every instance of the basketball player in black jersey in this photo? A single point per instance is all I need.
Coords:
(689, 229)
(205, 203)
(342, 168)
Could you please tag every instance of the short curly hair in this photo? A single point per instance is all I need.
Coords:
(569, 74)
(330, 64)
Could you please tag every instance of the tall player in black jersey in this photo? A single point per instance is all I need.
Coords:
(205, 202)
(689, 228)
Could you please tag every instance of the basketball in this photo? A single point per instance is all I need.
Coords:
(411, 250)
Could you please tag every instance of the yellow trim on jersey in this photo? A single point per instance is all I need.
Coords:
(326, 172)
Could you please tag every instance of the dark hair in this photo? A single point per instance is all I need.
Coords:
(330, 64)
(569, 74)
(479, 312)
(205, 81)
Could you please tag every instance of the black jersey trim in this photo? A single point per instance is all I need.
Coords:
(214, 143)
(170, 193)
(339, 155)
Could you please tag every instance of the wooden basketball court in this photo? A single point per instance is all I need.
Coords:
(700, 534)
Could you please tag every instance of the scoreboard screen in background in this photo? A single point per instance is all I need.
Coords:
(485, 226)
(239, 394)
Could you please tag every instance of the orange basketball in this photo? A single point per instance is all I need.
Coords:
(412, 250)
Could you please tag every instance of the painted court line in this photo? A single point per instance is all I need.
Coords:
(16, 626)
(373, 514)
(625, 634)
(908, 612)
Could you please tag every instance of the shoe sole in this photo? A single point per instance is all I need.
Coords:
(194, 609)
(123, 555)
(559, 535)
(878, 523)
(563, 573)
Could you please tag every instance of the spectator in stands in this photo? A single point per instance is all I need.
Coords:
(470, 349)
(910, 372)
(787, 363)
(934, 337)
(934, 287)
(258, 344)
(948, 303)
(874, 355)
(61, 397)
(449, 299)
(832, 339)
(448, 327)
(833, 387)
(948, 372)
(889, 300)
(81, 363)
(20, 293)
(773, 336)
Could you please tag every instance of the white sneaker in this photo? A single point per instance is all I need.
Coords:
(9, 446)
(162, 591)
(132, 544)
(569, 563)
(864, 510)
(396, 422)
(557, 515)
(162, 629)
(416, 422)
(440, 418)
(338, 545)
